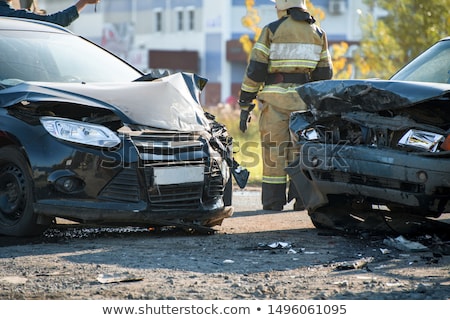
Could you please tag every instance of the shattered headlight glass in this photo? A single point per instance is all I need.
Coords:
(80, 132)
(419, 139)
(310, 134)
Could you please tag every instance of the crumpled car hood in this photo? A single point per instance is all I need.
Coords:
(171, 102)
(333, 97)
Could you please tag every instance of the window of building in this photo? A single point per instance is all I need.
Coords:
(191, 19)
(180, 20)
(158, 21)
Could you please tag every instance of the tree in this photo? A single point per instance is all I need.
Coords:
(250, 21)
(342, 66)
(407, 29)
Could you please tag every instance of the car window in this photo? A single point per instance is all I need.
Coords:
(431, 66)
(55, 57)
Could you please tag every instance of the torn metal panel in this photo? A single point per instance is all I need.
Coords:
(372, 142)
(170, 103)
(333, 97)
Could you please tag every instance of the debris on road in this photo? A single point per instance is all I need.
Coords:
(275, 245)
(403, 244)
(351, 265)
(118, 277)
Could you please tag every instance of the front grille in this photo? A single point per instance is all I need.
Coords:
(123, 187)
(174, 149)
(174, 197)
(169, 147)
(358, 179)
(215, 185)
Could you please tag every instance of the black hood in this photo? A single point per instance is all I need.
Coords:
(171, 102)
(333, 97)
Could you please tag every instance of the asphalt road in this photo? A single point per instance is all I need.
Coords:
(254, 254)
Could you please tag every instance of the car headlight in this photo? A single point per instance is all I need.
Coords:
(419, 139)
(80, 132)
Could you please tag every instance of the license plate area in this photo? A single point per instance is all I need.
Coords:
(178, 175)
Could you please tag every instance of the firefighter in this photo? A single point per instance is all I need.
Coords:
(291, 51)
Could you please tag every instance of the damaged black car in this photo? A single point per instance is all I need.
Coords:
(87, 137)
(373, 153)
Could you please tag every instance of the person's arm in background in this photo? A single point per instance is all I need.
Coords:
(83, 3)
(62, 18)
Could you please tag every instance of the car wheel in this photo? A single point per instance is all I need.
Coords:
(17, 217)
(329, 218)
(348, 215)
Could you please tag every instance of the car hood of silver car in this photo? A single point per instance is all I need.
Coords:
(171, 102)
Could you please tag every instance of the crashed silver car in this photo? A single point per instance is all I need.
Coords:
(376, 151)
(86, 137)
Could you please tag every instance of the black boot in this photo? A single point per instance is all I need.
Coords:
(273, 196)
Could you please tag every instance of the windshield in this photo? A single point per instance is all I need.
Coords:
(56, 57)
(431, 66)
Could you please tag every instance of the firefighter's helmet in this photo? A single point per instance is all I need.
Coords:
(287, 4)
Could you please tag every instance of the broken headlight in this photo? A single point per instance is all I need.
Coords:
(80, 132)
(422, 140)
(310, 134)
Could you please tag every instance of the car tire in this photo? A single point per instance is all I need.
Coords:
(351, 216)
(17, 217)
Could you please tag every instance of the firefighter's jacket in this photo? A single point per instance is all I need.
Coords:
(293, 45)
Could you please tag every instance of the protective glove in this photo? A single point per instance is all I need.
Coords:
(245, 115)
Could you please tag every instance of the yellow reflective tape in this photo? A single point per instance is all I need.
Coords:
(325, 55)
(278, 89)
(274, 180)
(245, 108)
(293, 64)
(247, 88)
(295, 51)
(261, 47)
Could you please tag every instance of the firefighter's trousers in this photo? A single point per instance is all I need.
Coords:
(277, 152)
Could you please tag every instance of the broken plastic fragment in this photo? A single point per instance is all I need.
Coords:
(403, 244)
(279, 245)
(14, 279)
(117, 277)
(227, 261)
(356, 264)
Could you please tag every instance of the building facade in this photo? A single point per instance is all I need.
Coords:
(200, 36)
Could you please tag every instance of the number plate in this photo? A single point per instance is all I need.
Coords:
(177, 175)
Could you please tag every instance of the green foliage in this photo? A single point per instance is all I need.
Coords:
(409, 27)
